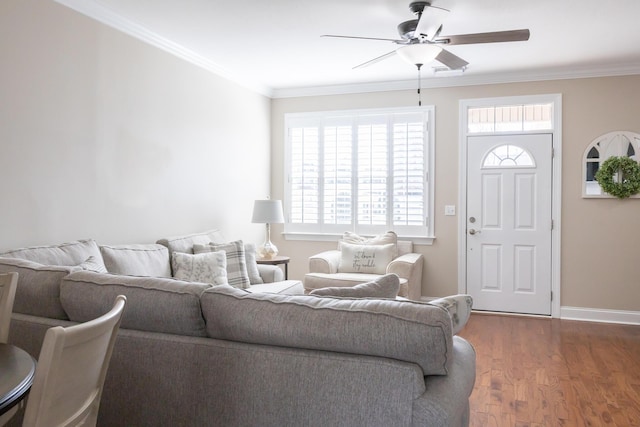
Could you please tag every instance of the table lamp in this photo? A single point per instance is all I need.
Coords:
(267, 212)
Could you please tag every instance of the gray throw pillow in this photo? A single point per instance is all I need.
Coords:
(386, 286)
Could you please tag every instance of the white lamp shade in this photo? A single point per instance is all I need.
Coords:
(268, 212)
(419, 53)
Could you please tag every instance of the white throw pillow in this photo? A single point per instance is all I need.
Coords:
(370, 259)
(382, 239)
(209, 267)
(252, 266)
(237, 274)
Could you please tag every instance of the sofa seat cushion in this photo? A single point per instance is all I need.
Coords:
(137, 260)
(66, 254)
(324, 280)
(153, 304)
(404, 330)
(38, 291)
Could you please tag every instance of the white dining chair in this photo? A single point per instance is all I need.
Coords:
(8, 285)
(71, 370)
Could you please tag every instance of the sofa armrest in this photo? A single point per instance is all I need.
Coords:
(459, 308)
(409, 266)
(270, 273)
(325, 262)
(446, 401)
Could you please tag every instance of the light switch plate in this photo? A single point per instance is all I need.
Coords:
(450, 210)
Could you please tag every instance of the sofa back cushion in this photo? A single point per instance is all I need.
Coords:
(185, 243)
(38, 291)
(405, 247)
(153, 304)
(67, 254)
(403, 330)
(386, 286)
(137, 260)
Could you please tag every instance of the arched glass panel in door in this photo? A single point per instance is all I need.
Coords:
(508, 156)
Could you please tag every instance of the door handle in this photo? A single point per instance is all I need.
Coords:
(472, 231)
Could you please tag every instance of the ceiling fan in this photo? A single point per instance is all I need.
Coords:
(421, 42)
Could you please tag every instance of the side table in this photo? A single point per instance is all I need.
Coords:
(277, 260)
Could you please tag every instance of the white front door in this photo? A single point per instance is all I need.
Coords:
(509, 188)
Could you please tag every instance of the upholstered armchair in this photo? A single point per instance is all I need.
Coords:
(342, 267)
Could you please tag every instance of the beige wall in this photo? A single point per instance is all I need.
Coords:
(599, 237)
(104, 136)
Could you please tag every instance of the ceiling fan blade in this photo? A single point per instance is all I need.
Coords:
(363, 38)
(452, 61)
(376, 60)
(430, 22)
(494, 37)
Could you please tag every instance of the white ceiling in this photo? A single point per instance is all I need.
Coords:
(274, 46)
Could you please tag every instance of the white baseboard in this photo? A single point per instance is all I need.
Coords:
(600, 315)
(582, 314)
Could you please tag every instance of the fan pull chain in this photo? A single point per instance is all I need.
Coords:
(419, 85)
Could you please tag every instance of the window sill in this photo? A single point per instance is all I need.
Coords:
(417, 240)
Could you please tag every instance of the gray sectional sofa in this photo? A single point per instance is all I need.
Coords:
(193, 354)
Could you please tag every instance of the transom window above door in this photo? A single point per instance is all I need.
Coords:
(510, 118)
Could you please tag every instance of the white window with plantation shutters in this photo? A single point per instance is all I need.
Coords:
(365, 171)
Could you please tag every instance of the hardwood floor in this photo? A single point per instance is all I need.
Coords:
(537, 372)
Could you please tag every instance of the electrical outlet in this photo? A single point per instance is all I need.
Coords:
(450, 210)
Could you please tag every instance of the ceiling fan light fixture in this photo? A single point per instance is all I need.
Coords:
(419, 53)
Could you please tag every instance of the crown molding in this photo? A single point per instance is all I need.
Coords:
(464, 80)
(108, 17)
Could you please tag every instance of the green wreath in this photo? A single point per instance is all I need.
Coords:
(629, 182)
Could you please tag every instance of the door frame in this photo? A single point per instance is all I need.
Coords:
(556, 197)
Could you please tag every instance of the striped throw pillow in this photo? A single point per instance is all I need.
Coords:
(237, 274)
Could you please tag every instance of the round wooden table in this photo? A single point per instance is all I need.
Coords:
(17, 369)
